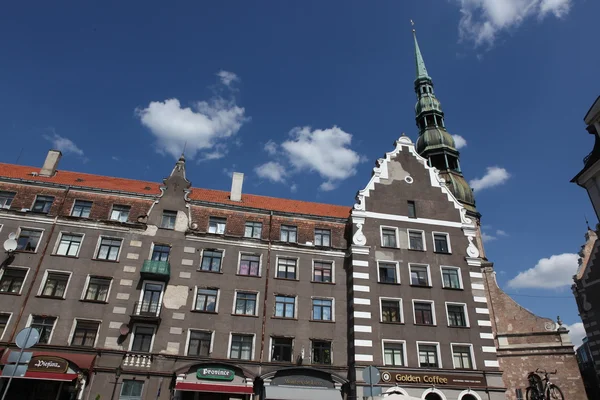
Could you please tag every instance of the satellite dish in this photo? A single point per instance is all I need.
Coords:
(10, 244)
(124, 329)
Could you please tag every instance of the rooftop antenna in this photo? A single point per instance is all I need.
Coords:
(184, 146)
(587, 222)
(19, 156)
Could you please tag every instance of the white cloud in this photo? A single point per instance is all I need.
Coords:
(483, 20)
(227, 77)
(494, 176)
(271, 147)
(272, 171)
(115, 158)
(203, 127)
(500, 232)
(63, 144)
(459, 141)
(576, 332)
(294, 188)
(549, 273)
(486, 237)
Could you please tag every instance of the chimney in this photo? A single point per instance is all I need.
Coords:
(52, 159)
(236, 186)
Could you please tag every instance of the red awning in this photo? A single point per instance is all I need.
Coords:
(83, 361)
(47, 376)
(214, 388)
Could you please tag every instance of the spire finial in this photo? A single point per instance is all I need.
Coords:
(421, 70)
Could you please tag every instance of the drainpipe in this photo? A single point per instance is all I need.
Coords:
(268, 272)
(39, 264)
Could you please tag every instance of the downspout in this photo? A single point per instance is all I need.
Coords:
(268, 271)
(37, 270)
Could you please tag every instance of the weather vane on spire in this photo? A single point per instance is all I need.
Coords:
(412, 23)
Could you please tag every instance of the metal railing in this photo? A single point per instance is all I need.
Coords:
(146, 309)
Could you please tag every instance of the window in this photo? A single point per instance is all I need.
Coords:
(388, 273)
(419, 275)
(120, 213)
(206, 300)
(451, 278)
(461, 355)
(415, 240)
(28, 240)
(253, 230)
(85, 333)
(109, 249)
(42, 204)
(322, 271)
(286, 268)
(142, 339)
(245, 303)
(44, 326)
(81, 208)
(241, 347)
(428, 355)
(388, 237)
(97, 289)
(393, 353)
(249, 265)
(12, 280)
(3, 323)
(322, 237)
(6, 199)
(412, 209)
(281, 349)
(440, 243)
(456, 315)
(322, 309)
(160, 252)
(216, 225)
(424, 313)
(199, 343)
(288, 233)
(321, 352)
(168, 219)
(55, 285)
(69, 245)
(131, 390)
(285, 306)
(391, 310)
(211, 260)
(151, 303)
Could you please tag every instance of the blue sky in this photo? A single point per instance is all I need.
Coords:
(303, 97)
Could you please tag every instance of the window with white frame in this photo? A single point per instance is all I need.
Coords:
(29, 239)
(160, 252)
(6, 198)
(168, 219)
(109, 248)
(211, 260)
(457, 314)
(44, 326)
(388, 272)
(120, 213)
(206, 300)
(321, 352)
(462, 356)
(285, 306)
(245, 303)
(142, 338)
(416, 240)
(12, 280)
(85, 333)
(131, 390)
(322, 271)
(81, 208)
(97, 289)
(241, 346)
(249, 264)
(69, 244)
(388, 237)
(287, 268)
(322, 309)
(393, 353)
(323, 237)
(151, 299)
(424, 312)
(253, 230)
(419, 275)
(55, 285)
(451, 278)
(199, 344)
(216, 225)
(281, 349)
(4, 318)
(428, 355)
(391, 310)
(441, 242)
(42, 204)
(288, 233)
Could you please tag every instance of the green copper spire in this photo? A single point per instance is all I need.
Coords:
(421, 69)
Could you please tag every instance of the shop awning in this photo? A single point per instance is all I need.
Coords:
(83, 361)
(45, 376)
(214, 388)
(296, 393)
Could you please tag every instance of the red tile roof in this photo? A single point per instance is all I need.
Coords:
(79, 179)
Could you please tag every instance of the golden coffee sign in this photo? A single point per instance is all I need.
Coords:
(418, 378)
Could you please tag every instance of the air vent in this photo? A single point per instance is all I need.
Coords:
(79, 180)
(34, 174)
(147, 188)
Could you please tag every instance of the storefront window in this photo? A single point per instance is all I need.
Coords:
(131, 390)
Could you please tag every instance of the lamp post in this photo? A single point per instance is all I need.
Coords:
(117, 375)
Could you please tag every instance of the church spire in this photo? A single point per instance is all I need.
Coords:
(421, 69)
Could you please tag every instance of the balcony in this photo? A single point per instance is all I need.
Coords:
(158, 270)
(137, 360)
(146, 312)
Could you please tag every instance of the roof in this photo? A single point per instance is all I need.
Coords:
(83, 180)
(592, 112)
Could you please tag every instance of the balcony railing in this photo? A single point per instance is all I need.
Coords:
(156, 269)
(149, 311)
(137, 360)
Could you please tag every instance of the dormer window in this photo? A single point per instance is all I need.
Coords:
(6, 199)
(168, 219)
(216, 225)
(42, 204)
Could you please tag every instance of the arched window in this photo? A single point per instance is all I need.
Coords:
(433, 396)
(468, 397)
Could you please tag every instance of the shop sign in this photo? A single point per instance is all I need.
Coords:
(419, 378)
(215, 373)
(301, 380)
(51, 364)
